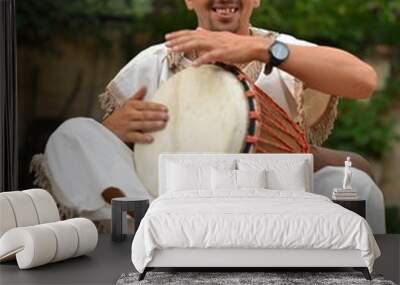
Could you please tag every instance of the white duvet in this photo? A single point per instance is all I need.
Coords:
(253, 218)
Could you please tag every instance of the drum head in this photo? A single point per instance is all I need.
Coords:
(208, 113)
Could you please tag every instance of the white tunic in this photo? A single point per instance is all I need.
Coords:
(84, 158)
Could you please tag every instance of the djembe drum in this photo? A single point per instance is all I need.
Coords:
(217, 109)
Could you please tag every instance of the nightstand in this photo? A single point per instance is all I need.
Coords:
(357, 206)
(120, 207)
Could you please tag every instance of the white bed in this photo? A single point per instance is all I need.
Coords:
(250, 227)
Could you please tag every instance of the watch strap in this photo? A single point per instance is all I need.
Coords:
(268, 66)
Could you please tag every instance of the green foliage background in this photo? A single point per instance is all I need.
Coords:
(355, 25)
(351, 24)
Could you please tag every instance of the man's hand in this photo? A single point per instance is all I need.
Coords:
(223, 47)
(136, 118)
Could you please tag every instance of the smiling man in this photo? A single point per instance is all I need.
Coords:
(225, 36)
(91, 162)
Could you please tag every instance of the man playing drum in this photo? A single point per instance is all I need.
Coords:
(87, 163)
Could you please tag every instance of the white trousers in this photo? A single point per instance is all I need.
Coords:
(85, 158)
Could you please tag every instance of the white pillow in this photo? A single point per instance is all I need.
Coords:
(189, 174)
(283, 174)
(228, 179)
(181, 178)
(251, 178)
(223, 179)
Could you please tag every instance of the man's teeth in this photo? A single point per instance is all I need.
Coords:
(225, 10)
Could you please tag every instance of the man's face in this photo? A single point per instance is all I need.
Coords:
(223, 15)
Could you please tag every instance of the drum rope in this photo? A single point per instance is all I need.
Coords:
(269, 117)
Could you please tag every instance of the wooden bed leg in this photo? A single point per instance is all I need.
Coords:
(364, 271)
(143, 274)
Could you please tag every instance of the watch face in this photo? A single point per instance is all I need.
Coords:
(280, 51)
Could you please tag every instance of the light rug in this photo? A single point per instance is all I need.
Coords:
(243, 278)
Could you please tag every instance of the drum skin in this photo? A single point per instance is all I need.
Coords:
(208, 112)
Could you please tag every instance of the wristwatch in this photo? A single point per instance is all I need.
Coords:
(278, 53)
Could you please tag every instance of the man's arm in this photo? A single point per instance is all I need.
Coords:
(136, 118)
(328, 70)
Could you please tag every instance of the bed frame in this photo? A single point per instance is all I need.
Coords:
(236, 259)
(256, 259)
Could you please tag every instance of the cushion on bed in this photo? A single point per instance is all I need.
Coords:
(223, 179)
(285, 174)
(182, 178)
(189, 174)
(251, 179)
(226, 179)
